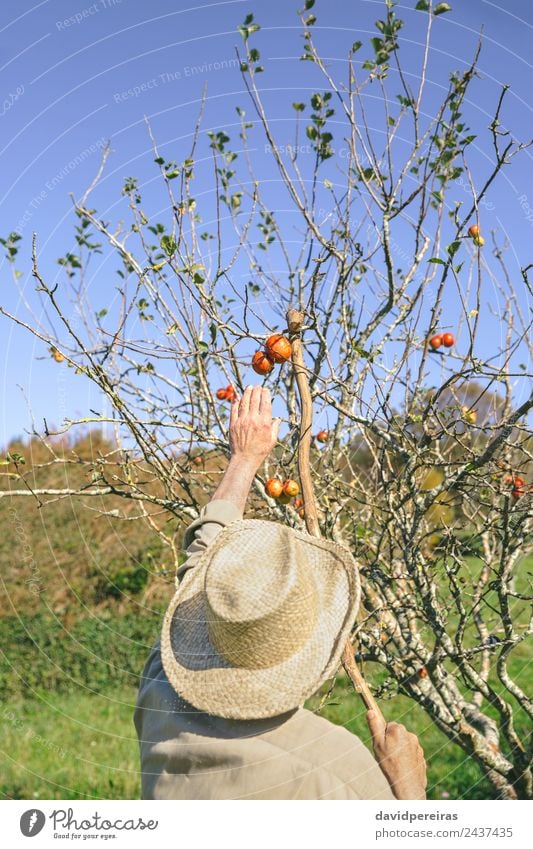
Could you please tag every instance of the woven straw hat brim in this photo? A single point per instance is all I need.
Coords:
(211, 684)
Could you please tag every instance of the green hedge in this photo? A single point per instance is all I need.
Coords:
(94, 652)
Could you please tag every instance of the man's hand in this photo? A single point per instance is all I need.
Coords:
(252, 431)
(252, 436)
(400, 757)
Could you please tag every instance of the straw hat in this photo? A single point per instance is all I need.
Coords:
(260, 622)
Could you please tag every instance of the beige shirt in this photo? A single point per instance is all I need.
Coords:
(188, 754)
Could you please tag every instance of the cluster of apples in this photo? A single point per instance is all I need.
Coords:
(446, 339)
(277, 350)
(299, 505)
(227, 394)
(283, 491)
(474, 232)
(519, 485)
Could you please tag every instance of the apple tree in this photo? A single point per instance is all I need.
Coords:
(368, 216)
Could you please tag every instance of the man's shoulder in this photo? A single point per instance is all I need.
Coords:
(310, 728)
(338, 759)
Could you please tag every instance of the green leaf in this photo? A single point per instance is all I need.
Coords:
(101, 314)
(311, 132)
(248, 19)
(356, 45)
(368, 173)
(309, 4)
(299, 107)
(169, 245)
(159, 160)
(235, 200)
(367, 355)
(405, 101)
(14, 457)
(422, 6)
(441, 8)
(453, 248)
(436, 260)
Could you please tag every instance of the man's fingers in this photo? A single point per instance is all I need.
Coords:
(234, 412)
(275, 430)
(244, 406)
(377, 725)
(255, 400)
(265, 403)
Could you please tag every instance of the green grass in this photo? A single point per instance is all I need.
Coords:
(70, 746)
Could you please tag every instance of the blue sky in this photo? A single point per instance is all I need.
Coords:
(76, 74)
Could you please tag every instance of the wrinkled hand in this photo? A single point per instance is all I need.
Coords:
(400, 757)
(253, 432)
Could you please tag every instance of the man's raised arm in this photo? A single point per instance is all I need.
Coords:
(252, 435)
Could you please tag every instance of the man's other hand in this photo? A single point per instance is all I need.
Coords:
(400, 757)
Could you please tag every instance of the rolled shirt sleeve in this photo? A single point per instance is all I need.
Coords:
(213, 517)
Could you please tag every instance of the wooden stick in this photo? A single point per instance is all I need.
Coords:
(356, 676)
(295, 320)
